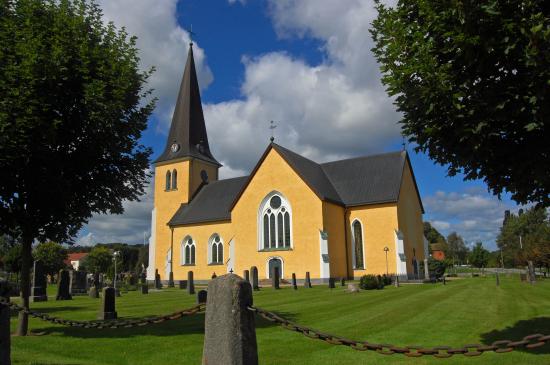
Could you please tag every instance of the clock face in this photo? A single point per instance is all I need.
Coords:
(175, 147)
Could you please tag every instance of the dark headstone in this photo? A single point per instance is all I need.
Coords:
(183, 284)
(307, 282)
(294, 286)
(255, 281)
(201, 296)
(107, 310)
(144, 288)
(5, 345)
(39, 283)
(158, 284)
(229, 328)
(79, 282)
(343, 282)
(63, 283)
(246, 275)
(171, 280)
(214, 276)
(275, 278)
(96, 282)
(190, 283)
(331, 283)
(93, 292)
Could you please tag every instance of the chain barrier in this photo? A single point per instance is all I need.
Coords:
(118, 323)
(528, 342)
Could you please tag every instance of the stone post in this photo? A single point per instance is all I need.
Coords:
(229, 328)
(107, 310)
(294, 286)
(158, 284)
(343, 282)
(426, 270)
(275, 278)
(39, 283)
(307, 282)
(331, 283)
(5, 341)
(531, 271)
(183, 284)
(63, 290)
(396, 282)
(190, 283)
(255, 281)
(246, 275)
(202, 295)
(171, 280)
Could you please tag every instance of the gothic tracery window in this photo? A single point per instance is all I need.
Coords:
(168, 180)
(188, 251)
(216, 250)
(275, 223)
(357, 235)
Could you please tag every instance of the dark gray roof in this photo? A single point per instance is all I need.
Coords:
(188, 129)
(211, 203)
(367, 180)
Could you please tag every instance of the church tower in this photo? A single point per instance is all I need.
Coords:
(185, 165)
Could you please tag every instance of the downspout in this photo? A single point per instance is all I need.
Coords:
(346, 211)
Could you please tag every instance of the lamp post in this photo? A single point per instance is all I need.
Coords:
(386, 249)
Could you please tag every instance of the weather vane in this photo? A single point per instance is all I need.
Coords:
(404, 143)
(191, 34)
(272, 126)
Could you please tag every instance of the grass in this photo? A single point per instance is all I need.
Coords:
(471, 310)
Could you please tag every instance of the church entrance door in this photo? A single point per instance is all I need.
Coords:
(273, 263)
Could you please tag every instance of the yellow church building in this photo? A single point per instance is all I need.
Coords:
(340, 219)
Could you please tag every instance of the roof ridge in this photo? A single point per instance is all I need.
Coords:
(362, 157)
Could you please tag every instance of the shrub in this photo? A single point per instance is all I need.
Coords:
(386, 279)
(369, 282)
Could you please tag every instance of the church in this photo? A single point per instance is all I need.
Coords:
(340, 219)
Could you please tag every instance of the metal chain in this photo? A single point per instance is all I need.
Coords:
(528, 342)
(121, 323)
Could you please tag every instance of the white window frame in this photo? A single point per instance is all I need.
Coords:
(281, 274)
(353, 243)
(264, 206)
(209, 253)
(184, 243)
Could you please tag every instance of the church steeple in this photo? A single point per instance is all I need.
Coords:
(187, 136)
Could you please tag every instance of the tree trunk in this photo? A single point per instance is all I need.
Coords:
(26, 258)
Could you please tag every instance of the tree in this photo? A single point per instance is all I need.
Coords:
(436, 268)
(71, 116)
(479, 257)
(52, 255)
(12, 259)
(432, 234)
(471, 81)
(456, 248)
(99, 260)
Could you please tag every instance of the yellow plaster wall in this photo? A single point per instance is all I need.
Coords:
(409, 213)
(276, 174)
(196, 166)
(334, 224)
(201, 234)
(166, 204)
(379, 223)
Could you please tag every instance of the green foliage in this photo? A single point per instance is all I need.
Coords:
(534, 228)
(369, 282)
(432, 234)
(456, 249)
(471, 80)
(52, 255)
(437, 268)
(12, 259)
(479, 257)
(99, 260)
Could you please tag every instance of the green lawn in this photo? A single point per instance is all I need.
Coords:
(464, 311)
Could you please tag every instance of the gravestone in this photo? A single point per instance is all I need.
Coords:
(5, 345)
(183, 284)
(246, 275)
(531, 271)
(331, 283)
(158, 284)
(96, 281)
(275, 278)
(307, 282)
(426, 270)
(201, 296)
(144, 288)
(171, 280)
(343, 282)
(294, 286)
(107, 310)
(396, 282)
(93, 292)
(39, 283)
(79, 282)
(190, 283)
(255, 281)
(63, 286)
(214, 276)
(353, 288)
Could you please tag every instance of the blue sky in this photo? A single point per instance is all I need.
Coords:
(305, 64)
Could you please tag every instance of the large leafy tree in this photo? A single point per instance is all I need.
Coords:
(456, 248)
(52, 255)
(72, 111)
(472, 81)
(479, 257)
(99, 260)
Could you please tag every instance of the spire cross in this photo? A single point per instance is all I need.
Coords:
(272, 126)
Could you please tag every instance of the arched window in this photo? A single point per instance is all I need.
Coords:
(188, 251)
(275, 223)
(174, 179)
(215, 250)
(168, 180)
(357, 243)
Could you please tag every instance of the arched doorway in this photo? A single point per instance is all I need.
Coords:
(272, 264)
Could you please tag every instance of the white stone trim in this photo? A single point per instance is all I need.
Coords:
(400, 258)
(324, 267)
(281, 274)
(152, 246)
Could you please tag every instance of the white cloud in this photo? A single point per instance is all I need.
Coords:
(474, 214)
